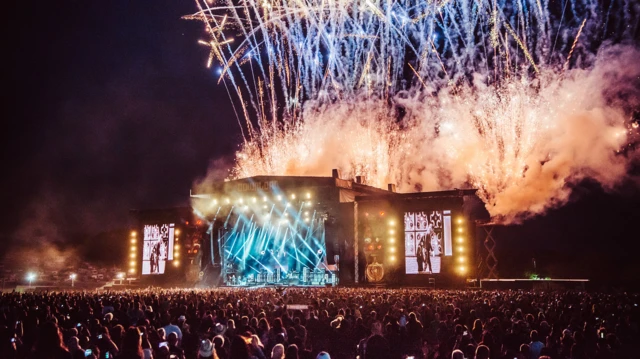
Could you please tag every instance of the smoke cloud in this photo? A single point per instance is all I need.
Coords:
(523, 144)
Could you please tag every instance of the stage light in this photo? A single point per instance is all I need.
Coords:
(461, 259)
(392, 223)
(264, 198)
(214, 202)
(176, 263)
(132, 271)
(306, 220)
(73, 276)
(31, 277)
(267, 216)
(176, 254)
(392, 240)
(392, 232)
(176, 232)
(176, 247)
(460, 239)
(308, 195)
(240, 200)
(133, 255)
(459, 230)
(462, 269)
(309, 204)
(245, 208)
(132, 263)
(460, 249)
(293, 196)
(254, 200)
(392, 258)
(227, 200)
(133, 233)
(459, 220)
(133, 240)
(120, 275)
(279, 198)
(306, 213)
(393, 250)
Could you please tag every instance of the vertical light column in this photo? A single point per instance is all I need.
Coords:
(133, 252)
(461, 249)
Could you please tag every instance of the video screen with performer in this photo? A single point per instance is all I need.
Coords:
(157, 247)
(427, 239)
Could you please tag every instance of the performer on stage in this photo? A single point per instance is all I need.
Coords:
(428, 249)
(420, 254)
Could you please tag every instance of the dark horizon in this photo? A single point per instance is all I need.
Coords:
(113, 109)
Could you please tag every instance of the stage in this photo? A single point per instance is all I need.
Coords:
(306, 231)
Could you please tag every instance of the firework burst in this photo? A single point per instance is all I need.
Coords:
(515, 98)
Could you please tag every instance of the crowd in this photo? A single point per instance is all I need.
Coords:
(319, 323)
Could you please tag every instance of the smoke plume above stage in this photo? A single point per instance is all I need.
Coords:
(519, 99)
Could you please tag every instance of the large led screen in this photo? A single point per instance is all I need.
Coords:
(157, 247)
(427, 238)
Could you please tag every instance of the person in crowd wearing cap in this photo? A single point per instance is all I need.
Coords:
(323, 355)
(206, 350)
(182, 322)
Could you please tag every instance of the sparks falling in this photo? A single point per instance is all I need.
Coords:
(509, 97)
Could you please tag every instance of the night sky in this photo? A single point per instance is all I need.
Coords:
(111, 108)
